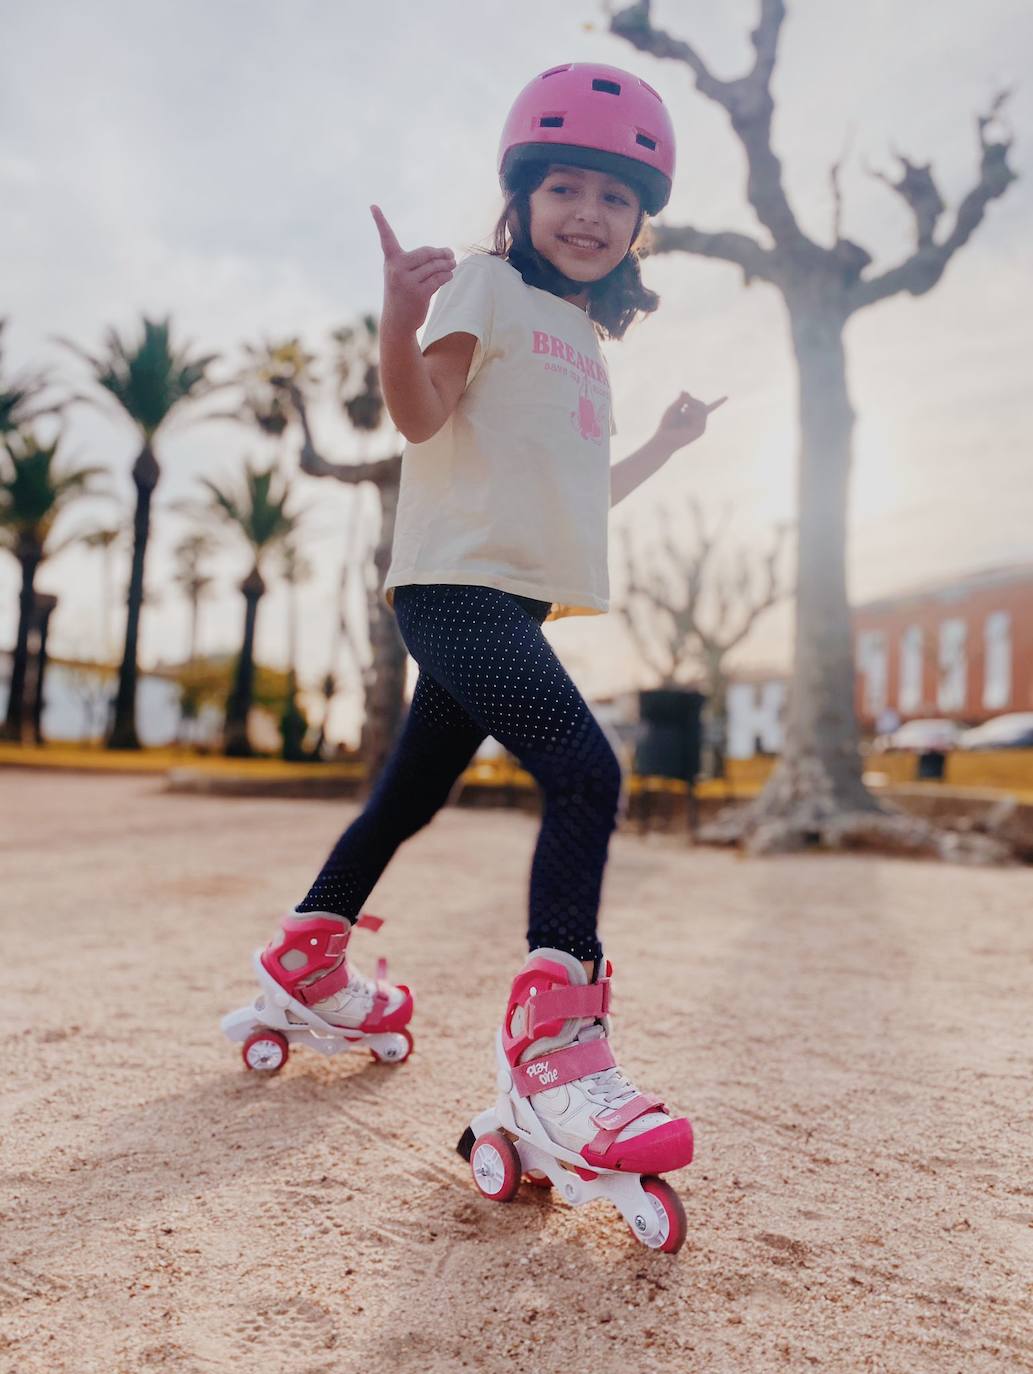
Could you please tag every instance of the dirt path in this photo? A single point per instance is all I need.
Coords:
(851, 1038)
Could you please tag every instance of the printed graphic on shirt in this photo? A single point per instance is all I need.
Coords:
(590, 391)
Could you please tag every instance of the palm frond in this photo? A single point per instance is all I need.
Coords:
(257, 508)
(357, 373)
(150, 376)
(34, 490)
(19, 395)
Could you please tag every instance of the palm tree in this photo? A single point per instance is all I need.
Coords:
(270, 371)
(258, 511)
(33, 493)
(148, 380)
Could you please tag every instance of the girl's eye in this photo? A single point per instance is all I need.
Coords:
(559, 188)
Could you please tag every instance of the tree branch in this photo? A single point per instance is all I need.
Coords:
(770, 595)
(634, 25)
(746, 100)
(686, 637)
(745, 252)
(381, 472)
(926, 266)
(637, 589)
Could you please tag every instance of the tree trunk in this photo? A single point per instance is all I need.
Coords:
(715, 713)
(292, 725)
(123, 731)
(235, 738)
(329, 692)
(29, 557)
(195, 612)
(44, 607)
(385, 684)
(817, 782)
(108, 650)
(819, 776)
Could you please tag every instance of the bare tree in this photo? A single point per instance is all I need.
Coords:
(816, 792)
(713, 610)
(383, 675)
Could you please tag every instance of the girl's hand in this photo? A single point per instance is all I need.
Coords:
(685, 420)
(410, 279)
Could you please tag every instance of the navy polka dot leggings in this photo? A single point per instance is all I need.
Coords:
(487, 669)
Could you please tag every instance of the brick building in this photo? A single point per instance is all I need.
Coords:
(962, 649)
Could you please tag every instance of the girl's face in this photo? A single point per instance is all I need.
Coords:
(582, 221)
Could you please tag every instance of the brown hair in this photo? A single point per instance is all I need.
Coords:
(613, 302)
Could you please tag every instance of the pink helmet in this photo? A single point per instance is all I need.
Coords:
(592, 116)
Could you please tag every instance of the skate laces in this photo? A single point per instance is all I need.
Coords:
(608, 1084)
(356, 986)
(359, 985)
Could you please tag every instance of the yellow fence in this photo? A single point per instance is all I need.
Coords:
(1007, 770)
(95, 758)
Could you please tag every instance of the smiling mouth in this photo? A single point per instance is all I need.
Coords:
(580, 241)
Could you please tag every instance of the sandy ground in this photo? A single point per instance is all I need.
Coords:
(851, 1038)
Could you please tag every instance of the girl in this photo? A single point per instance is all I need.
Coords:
(502, 524)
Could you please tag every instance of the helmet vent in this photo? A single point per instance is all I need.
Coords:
(646, 86)
(646, 141)
(554, 71)
(551, 122)
(610, 87)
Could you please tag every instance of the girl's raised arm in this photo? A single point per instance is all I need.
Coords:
(420, 390)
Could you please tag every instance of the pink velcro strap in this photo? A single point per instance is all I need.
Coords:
(616, 1119)
(368, 922)
(334, 981)
(562, 1066)
(380, 1001)
(556, 1004)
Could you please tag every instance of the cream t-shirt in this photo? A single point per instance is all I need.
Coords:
(514, 489)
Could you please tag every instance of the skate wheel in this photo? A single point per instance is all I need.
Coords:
(265, 1050)
(496, 1167)
(671, 1214)
(395, 1059)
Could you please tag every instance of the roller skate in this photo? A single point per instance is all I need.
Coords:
(311, 997)
(565, 1115)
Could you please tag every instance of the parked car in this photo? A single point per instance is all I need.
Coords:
(1013, 731)
(921, 736)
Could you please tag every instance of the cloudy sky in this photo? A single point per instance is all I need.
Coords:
(216, 162)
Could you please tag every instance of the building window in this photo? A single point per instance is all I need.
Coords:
(871, 659)
(953, 666)
(910, 695)
(997, 674)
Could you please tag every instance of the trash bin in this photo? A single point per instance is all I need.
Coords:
(932, 764)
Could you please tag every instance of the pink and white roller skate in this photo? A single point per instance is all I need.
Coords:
(566, 1115)
(311, 997)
